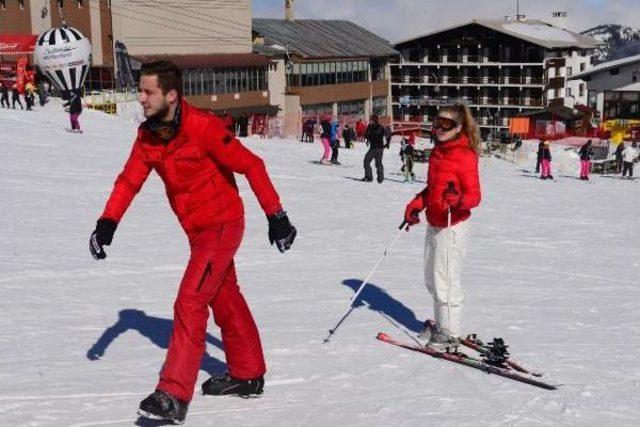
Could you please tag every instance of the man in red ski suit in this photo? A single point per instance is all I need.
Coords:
(196, 157)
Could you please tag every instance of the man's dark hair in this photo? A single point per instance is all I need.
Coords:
(169, 75)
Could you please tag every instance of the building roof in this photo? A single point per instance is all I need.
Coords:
(222, 60)
(606, 66)
(315, 38)
(531, 30)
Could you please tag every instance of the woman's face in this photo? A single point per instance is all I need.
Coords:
(446, 126)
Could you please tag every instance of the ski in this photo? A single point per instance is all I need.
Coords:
(476, 344)
(463, 359)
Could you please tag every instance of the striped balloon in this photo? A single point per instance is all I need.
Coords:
(64, 56)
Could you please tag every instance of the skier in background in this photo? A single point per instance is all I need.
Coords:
(585, 153)
(4, 96)
(453, 188)
(348, 134)
(196, 156)
(539, 155)
(545, 161)
(15, 97)
(618, 155)
(325, 140)
(375, 139)
(406, 155)
(388, 133)
(629, 156)
(74, 106)
(335, 141)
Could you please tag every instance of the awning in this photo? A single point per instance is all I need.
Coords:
(221, 60)
(17, 44)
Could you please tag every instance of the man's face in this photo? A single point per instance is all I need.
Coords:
(154, 103)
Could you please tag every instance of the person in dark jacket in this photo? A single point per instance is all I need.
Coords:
(335, 142)
(243, 125)
(388, 133)
(539, 159)
(545, 162)
(42, 94)
(4, 96)
(15, 97)
(586, 152)
(348, 134)
(74, 105)
(375, 138)
(618, 155)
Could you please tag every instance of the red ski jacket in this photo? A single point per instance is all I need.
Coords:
(452, 161)
(197, 168)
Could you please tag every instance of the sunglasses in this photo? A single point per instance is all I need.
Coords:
(444, 123)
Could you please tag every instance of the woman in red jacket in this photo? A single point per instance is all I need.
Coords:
(453, 189)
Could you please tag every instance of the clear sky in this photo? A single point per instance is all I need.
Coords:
(400, 19)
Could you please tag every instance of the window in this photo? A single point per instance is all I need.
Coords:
(3, 4)
(21, 4)
(583, 66)
(569, 71)
(568, 92)
(581, 89)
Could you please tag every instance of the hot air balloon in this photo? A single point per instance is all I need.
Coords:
(64, 56)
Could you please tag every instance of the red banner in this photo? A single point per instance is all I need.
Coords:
(21, 73)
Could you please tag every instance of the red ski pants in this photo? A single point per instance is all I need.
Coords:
(210, 281)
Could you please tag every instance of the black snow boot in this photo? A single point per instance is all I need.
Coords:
(227, 385)
(160, 405)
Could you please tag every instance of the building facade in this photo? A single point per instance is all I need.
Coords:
(325, 67)
(613, 88)
(499, 68)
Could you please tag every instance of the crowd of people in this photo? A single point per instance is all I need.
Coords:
(29, 94)
(625, 157)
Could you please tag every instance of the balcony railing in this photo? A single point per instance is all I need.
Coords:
(471, 100)
(472, 80)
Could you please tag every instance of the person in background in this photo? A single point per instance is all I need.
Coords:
(388, 133)
(15, 97)
(42, 94)
(361, 129)
(243, 126)
(586, 152)
(325, 140)
(74, 105)
(545, 162)
(335, 141)
(348, 134)
(539, 156)
(29, 96)
(629, 157)
(375, 138)
(618, 156)
(4, 96)
(406, 155)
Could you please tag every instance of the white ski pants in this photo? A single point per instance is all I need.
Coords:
(444, 251)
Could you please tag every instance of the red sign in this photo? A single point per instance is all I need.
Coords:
(17, 44)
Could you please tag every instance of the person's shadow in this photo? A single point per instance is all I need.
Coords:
(379, 300)
(157, 330)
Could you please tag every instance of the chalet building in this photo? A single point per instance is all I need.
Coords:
(500, 68)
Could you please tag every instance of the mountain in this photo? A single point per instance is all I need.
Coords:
(620, 42)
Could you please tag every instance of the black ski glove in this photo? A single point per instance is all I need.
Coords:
(102, 236)
(281, 231)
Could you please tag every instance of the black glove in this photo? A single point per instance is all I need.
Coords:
(101, 236)
(281, 231)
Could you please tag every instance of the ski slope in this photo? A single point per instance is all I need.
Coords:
(553, 267)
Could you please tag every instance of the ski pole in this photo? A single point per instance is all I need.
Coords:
(451, 187)
(333, 330)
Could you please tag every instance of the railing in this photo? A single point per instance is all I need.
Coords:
(472, 80)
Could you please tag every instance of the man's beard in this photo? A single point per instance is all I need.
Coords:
(161, 113)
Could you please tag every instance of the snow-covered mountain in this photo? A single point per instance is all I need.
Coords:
(620, 42)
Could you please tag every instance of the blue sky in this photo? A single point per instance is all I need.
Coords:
(399, 19)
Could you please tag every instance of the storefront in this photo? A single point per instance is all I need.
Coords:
(16, 59)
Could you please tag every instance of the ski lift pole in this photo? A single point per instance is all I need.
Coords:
(404, 226)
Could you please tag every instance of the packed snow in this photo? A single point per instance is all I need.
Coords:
(553, 267)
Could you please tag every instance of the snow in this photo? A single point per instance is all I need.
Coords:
(552, 268)
(540, 32)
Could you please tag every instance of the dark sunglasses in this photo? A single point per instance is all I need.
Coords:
(444, 123)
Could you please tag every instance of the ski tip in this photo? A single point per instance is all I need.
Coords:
(382, 336)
